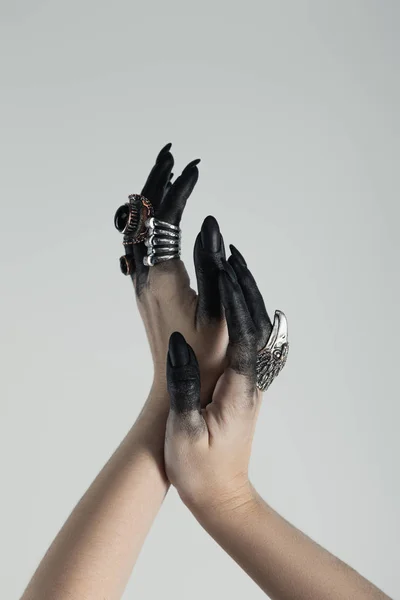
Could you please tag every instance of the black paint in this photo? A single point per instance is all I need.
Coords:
(209, 258)
(168, 200)
(183, 380)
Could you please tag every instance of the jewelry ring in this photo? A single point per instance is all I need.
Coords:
(272, 358)
(163, 242)
(130, 219)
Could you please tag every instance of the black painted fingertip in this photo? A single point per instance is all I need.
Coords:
(191, 165)
(178, 350)
(210, 234)
(127, 264)
(209, 255)
(235, 252)
(163, 151)
(183, 378)
(154, 187)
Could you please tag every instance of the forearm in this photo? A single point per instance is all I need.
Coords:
(283, 561)
(93, 555)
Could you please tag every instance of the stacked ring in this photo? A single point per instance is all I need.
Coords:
(163, 242)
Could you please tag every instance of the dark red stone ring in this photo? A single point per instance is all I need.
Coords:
(130, 219)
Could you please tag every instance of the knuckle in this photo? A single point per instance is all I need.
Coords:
(185, 386)
(168, 280)
(184, 389)
(192, 424)
(242, 358)
(184, 428)
(249, 337)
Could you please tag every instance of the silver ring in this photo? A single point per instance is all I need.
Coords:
(163, 242)
(272, 358)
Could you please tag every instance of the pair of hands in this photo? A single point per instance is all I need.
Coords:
(210, 426)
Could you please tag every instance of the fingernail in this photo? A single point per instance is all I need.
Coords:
(163, 151)
(191, 165)
(210, 234)
(178, 350)
(235, 252)
(230, 272)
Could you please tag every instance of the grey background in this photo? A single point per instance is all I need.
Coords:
(293, 107)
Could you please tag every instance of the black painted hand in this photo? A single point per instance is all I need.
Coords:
(168, 200)
(165, 299)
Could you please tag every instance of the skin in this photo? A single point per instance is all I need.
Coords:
(207, 453)
(93, 555)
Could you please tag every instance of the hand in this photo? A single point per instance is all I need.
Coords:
(207, 450)
(165, 299)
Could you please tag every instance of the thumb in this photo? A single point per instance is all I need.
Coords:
(183, 381)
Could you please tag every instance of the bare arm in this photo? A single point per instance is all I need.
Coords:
(282, 560)
(93, 555)
(95, 551)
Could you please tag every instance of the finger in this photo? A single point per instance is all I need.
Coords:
(183, 380)
(242, 350)
(169, 184)
(154, 188)
(174, 201)
(253, 297)
(209, 257)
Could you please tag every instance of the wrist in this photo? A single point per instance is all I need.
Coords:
(235, 497)
(152, 418)
(158, 393)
